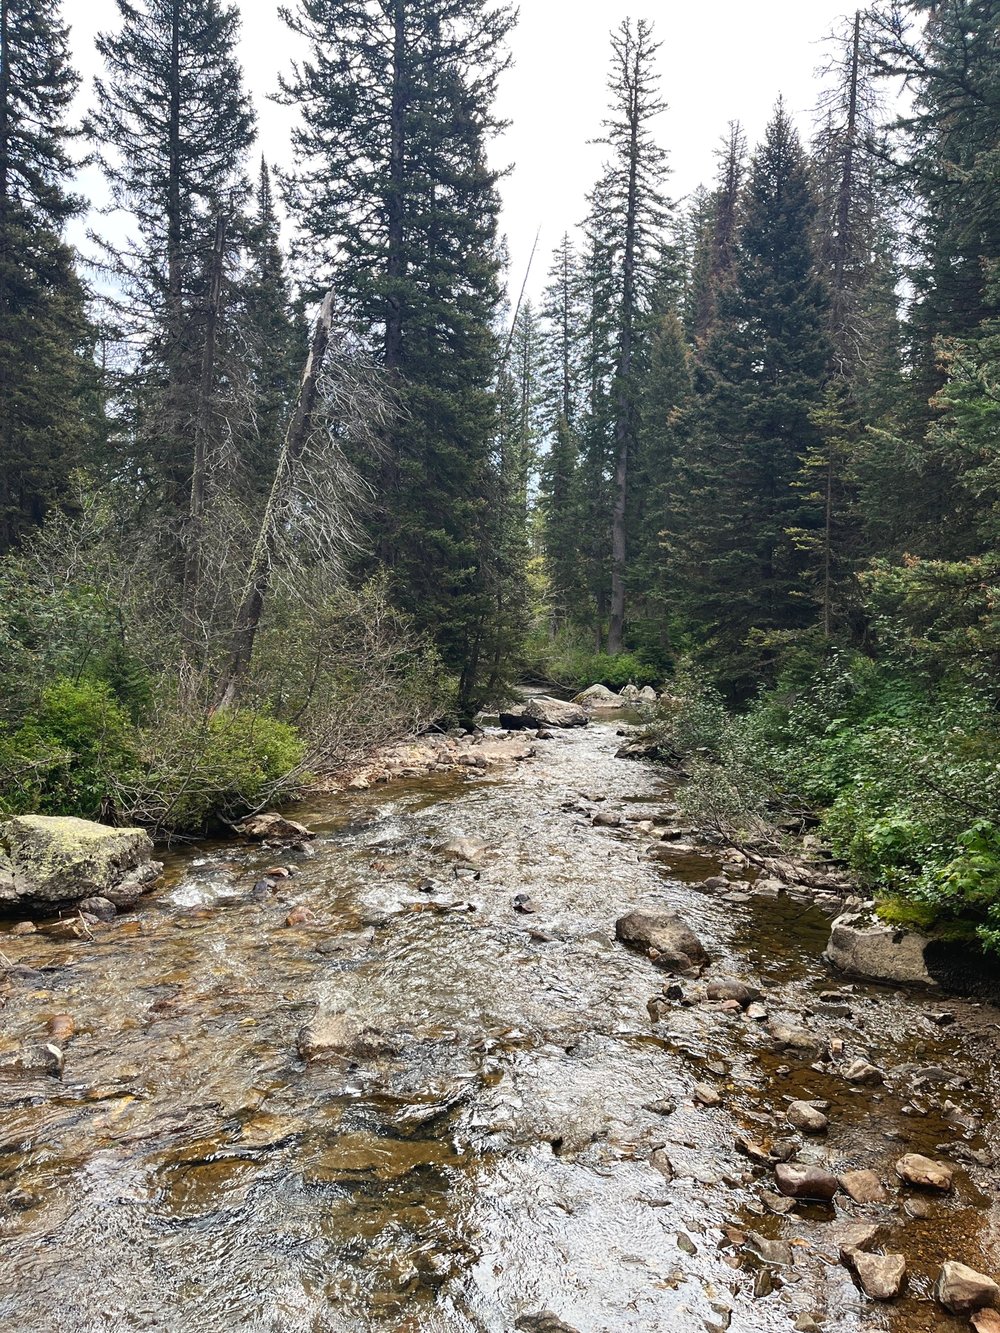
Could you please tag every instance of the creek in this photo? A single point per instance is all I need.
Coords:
(487, 1157)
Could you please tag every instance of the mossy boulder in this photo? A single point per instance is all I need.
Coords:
(53, 861)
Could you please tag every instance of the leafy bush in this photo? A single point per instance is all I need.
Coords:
(570, 662)
(202, 772)
(69, 747)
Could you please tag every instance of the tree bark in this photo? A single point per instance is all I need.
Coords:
(194, 547)
(258, 577)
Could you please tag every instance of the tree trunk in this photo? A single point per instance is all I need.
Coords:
(259, 573)
(624, 417)
(194, 548)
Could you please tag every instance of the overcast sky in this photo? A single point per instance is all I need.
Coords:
(720, 60)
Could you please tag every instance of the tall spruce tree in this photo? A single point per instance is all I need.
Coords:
(49, 404)
(763, 372)
(627, 213)
(174, 125)
(396, 204)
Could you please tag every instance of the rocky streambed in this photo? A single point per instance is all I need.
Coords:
(407, 1078)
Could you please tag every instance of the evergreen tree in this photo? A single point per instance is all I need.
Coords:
(763, 369)
(49, 402)
(396, 203)
(627, 215)
(174, 125)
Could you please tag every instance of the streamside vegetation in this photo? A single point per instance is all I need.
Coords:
(284, 474)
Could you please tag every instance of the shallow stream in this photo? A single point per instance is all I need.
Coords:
(487, 1159)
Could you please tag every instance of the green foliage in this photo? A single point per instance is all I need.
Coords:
(202, 771)
(74, 747)
(567, 660)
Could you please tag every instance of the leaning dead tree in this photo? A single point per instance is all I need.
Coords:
(311, 509)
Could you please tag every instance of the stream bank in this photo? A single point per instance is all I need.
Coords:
(519, 1116)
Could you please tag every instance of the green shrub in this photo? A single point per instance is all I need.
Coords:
(569, 661)
(204, 772)
(75, 747)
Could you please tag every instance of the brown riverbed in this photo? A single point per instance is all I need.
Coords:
(491, 1159)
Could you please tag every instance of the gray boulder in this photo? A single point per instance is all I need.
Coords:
(863, 946)
(54, 861)
(663, 935)
(598, 696)
(555, 713)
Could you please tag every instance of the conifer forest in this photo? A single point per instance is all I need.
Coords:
(297, 471)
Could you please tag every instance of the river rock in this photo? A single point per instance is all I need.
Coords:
(864, 1187)
(50, 861)
(648, 695)
(338, 1034)
(778, 1253)
(103, 908)
(881, 1276)
(801, 1115)
(861, 1072)
(607, 819)
(786, 1037)
(985, 1321)
(925, 1173)
(857, 1237)
(677, 947)
(706, 1095)
(863, 946)
(542, 1323)
(38, 1061)
(797, 1181)
(547, 712)
(733, 990)
(273, 827)
(598, 696)
(961, 1290)
(463, 849)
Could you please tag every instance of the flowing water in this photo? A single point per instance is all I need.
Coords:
(486, 1157)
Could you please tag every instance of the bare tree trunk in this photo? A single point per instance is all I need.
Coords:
(259, 572)
(194, 551)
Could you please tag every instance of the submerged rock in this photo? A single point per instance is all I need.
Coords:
(48, 861)
(805, 1116)
(863, 946)
(864, 1187)
(664, 935)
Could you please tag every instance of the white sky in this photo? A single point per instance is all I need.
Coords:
(720, 60)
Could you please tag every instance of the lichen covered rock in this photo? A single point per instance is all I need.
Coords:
(52, 861)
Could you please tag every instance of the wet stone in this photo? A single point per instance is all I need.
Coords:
(706, 1095)
(801, 1115)
(665, 936)
(880, 1276)
(985, 1321)
(775, 1252)
(925, 1173)
(733, 990)
(805, 1182)
(863, 1074)
(864, 1187)
(961, 1290)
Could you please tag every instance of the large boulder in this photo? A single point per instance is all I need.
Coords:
(55, 861)
(862, 946)
(630, 694)
(554, 712)
(599, 696)
(665, 937)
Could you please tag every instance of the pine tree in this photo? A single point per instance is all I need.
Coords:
(764, 369)
(396, 203)
(49, 401)
(627, 215)
(271, 338)
(174, 125)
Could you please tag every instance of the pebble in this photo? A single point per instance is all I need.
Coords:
(523, 903)
(706, 1095)
(925, 1173)
(659, 1161)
